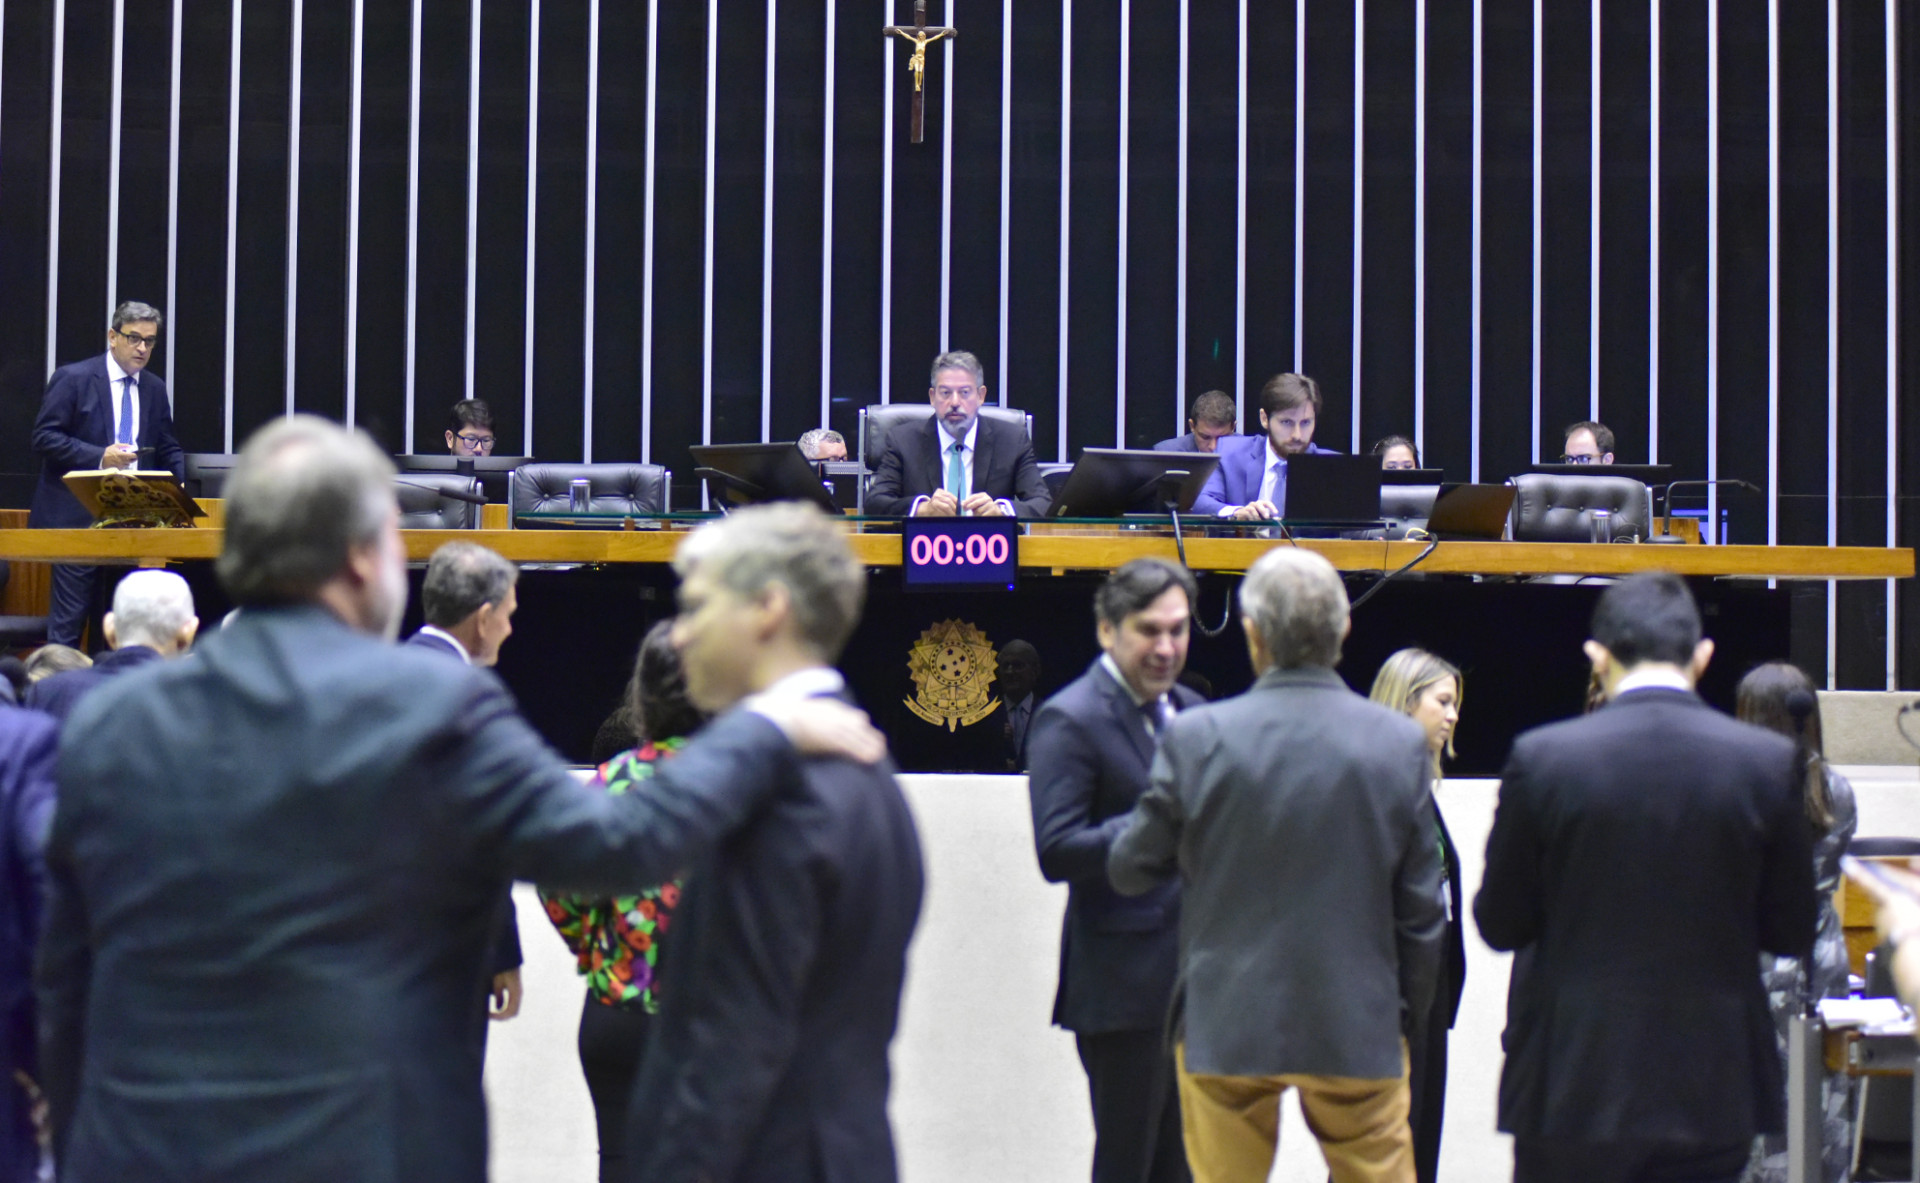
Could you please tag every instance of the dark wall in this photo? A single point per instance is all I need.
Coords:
(616, 383)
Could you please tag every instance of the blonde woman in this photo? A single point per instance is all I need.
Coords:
(1428, 688)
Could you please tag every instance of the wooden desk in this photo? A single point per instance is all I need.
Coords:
(1079, 551)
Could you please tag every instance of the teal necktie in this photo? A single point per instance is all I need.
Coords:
(956, 472)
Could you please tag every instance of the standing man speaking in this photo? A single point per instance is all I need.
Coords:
(99, 413)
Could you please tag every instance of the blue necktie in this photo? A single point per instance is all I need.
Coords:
(124, 434)
(1157, 713)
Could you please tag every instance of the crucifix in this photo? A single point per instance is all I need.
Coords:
(921, 37)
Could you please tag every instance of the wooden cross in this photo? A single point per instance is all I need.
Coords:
(921, 37)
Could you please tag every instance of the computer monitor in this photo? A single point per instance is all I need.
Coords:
(751, 474)
(1471, 512)
(1111, 482)
(493, 472)
(1332, 490)
(1413, 476)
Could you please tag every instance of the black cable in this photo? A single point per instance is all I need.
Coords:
(1386, 579)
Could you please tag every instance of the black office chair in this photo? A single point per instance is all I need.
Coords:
(1406, 507)
(19, 632)
(207, 473)
(1551, 507)
(635, 488)
(877, 420)
(1056, 477)
(423, 507)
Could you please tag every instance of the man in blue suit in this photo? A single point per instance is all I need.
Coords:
(99, 413)
(27, 743)
(1214, 417)
(1250, 483)
(1090, 750)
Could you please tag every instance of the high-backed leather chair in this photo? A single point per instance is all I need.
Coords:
(880, 418)
(1553, 507)
(422, 506)
(1407, 505)
(207, 473)
(612, 488)
(1056, 477)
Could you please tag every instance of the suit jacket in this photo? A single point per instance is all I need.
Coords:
(1179, 443)
(1300, 819)
(76, 424)
(911, 466)
(59, 693)
(1237, 478)
(274, 881)
(1089, 754)
(1452, 979)
(1647, 853)
(768, 1060)
(505, 953)
(27, 745)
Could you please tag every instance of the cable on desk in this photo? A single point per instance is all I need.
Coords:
(1386, 579)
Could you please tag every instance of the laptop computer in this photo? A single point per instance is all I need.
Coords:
(1331, 490)
(1471, 513)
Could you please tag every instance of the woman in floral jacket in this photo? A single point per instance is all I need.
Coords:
(616, 942)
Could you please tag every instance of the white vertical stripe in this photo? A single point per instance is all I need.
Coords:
(473, 191)
(1593, 221)
(533, 221)
(1359, 192)
(1240, 226)
(1833, 330)
(706, 274)
(116, 100)
(1893, 330)
(55, 118)
(826, 236)
(1713, 267)
(1066, 209)
(173, 181)
(292, 313)
(646, 234)
(1299, 172)
(353, 211)
(1653, 234)
(233, 208)
(886, 209)
(1120, 286)
(1420, 225)
(946, 189)
(1479, 37)
(413, 217)
(1539, 69)
(1006, 188)
(1180, 251)
(1773, 274)
(766, 239)
(593, 230)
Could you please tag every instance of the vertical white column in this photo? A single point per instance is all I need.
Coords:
(1180, 247)
(766, 238)
(1006, 190)
(826, 234)
(533, 221)
(233, 208)
(593, 229)
(1359, 193)
(1713, 267)
(473, 189)
(646, 231)
(1299, 177)
(353, 210)
(1893, 330)
(1833, 330)
(1120, 287)
(1653, 234)
(1539, 85)
(413, 217)
(1773, 274)
(1479, 171)
(292, 315)
(1593, 221)
(1240, 226)
(886, 209)
(1066, 207)
(1420, 224)
(173, 182)
(946, 185)
(116, 89)
(706, 280)
(55, 118)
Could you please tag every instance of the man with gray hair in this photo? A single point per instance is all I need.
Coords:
(1299, 819)
(105, 412)
(769, 1056)
(274, 867)
(152, 618)
(957, 462)
(823, 444)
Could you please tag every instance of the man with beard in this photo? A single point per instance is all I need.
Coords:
(957, 463)
(275, 868)
(1250, 483)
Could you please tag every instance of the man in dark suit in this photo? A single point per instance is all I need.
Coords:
(99, 413)
(1089, 752)
(152, 619)
(468, 598)
(27, 743)
(1299, 818)
(1645, 855)
(1214, 418)
(768, 1060)
(957, 462)
(1250, 482)
(275, 867)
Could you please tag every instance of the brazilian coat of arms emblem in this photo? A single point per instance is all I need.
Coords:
(952, 664)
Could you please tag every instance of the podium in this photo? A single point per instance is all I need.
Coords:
(133, 499)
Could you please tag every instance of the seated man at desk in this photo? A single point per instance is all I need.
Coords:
(470, 428)
(823, 444)
(957, 463)
(1251, 481)
(1214, 419)
(1588, 443)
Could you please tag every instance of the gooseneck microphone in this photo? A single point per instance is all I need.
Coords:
(1663, 495)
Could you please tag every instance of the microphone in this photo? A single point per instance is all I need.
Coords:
(454, 494)
(1664, 494)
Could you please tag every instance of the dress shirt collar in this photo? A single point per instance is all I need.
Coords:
(1113, 670)
(115, 372)
(1649, 677)
(449, 638)
(966, 441)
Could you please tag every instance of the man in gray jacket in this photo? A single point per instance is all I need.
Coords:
(1300, 821)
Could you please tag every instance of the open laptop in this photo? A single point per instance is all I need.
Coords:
(1470, 513)
(1329, 490)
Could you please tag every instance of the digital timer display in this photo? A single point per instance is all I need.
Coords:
(959, 554)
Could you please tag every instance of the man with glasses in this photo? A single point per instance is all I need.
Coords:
(1588, 443)
(470, 429)
(957, 463)
(105, 412)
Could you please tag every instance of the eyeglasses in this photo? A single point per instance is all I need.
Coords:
(1579, 459)
(136, 340)
(479, 443)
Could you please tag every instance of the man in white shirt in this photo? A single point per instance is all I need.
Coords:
(957, 463)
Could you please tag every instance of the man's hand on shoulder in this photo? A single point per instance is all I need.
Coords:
(825, 727)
